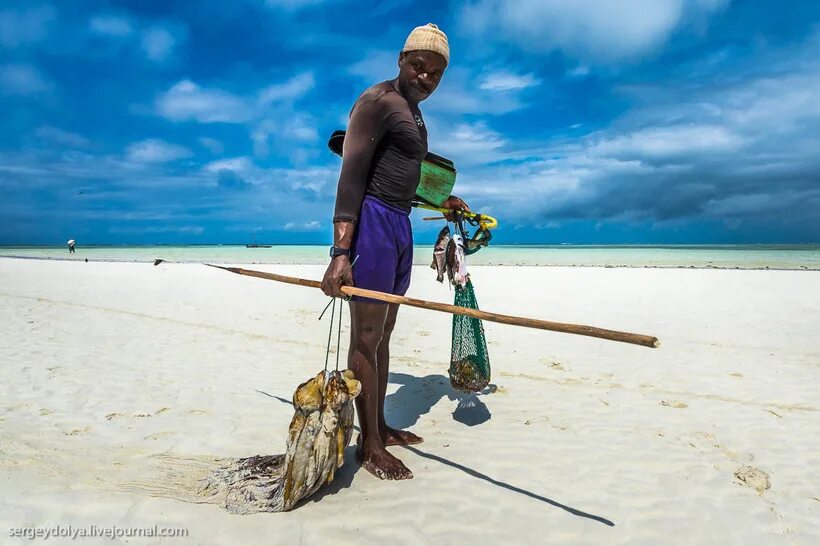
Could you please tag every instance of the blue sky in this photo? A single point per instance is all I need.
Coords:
(591, 121)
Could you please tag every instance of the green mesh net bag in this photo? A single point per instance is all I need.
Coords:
(469, 360)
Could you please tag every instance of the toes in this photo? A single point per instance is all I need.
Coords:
(404, 475)
(396, 473)
(402, 438)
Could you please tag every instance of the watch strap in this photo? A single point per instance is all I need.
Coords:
(339, 251)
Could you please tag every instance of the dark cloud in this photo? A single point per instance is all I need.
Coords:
(230, 180)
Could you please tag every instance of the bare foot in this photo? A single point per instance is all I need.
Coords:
(396, 437)
(382, 464)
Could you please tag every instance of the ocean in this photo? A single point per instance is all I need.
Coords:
(798, 257)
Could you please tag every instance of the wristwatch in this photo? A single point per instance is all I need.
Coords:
(339, 251)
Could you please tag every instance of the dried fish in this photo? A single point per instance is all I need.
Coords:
(456, 261)
(439, 253)
(319, 432)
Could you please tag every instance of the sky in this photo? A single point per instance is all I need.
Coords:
(584, 121)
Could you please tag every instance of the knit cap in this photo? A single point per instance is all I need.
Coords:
(428, 38)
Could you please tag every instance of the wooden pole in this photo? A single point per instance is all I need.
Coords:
(579, 329)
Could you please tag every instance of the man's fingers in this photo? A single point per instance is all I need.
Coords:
(337, 287)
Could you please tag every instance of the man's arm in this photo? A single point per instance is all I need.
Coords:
(363, 134)
(364, 131)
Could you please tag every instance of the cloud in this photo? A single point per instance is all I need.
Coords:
(471, 143)
(236, 173)
(301, 128)
(261, 136)
(157, 43)
(733, 153)
(579, 71)
(53, 170)
(756, 204)
(155, 151)
(594, 30)
(111, 25)
(227, 178)
(286, 132)
(379, 65)
(311, 183)
(212, 145)
(241, 165)
(290, 90)
(507, 81)
(185, 100)
(24, 27)
(670, 142)
(22, 80)
(458, 95)
(302, 226)
(61, 137)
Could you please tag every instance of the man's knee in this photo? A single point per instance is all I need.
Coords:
(369, 335)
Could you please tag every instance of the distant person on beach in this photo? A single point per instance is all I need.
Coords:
(385, 143)
(71, 244)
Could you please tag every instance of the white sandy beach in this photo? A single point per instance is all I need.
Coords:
(117, 374)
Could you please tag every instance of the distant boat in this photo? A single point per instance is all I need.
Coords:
(254, 244)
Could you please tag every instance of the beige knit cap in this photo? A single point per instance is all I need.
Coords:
(428, 38)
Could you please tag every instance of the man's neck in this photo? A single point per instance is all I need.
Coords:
(395, 84)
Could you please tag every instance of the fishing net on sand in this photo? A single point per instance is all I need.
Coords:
(469, 360)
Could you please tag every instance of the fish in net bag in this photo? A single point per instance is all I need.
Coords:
(469, 359)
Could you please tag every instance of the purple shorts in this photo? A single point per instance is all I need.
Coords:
(384, 245)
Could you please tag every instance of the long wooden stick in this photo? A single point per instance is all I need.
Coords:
(591, 331)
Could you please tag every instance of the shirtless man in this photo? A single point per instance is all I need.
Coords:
(381, 166)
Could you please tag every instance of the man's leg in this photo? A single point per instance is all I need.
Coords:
(390, 436)
(367, 328)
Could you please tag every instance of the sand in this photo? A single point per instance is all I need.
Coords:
(122, 382)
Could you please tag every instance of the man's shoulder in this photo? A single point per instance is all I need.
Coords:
(381, 93)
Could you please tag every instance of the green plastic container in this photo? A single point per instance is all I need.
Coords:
(438, 174)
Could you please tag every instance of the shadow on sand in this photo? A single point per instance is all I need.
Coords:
(415, 397)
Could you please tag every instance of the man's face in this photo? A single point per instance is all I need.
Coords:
(419, 74)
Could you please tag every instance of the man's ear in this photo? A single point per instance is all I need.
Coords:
(402, 56)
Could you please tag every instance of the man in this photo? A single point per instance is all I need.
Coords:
(71, 244)
(385, 142)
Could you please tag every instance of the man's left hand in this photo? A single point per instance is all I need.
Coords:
(454, 202)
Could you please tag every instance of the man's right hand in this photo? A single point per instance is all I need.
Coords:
(338, 274)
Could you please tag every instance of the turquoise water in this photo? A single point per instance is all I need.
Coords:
(718, 256)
